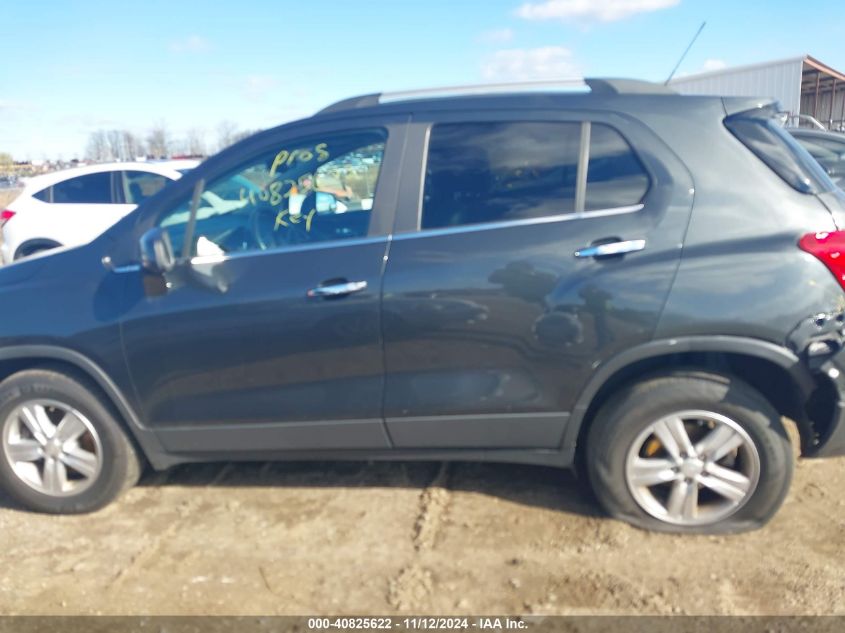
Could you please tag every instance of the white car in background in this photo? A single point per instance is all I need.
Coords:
(72, 207)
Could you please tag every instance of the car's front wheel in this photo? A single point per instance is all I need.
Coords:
(690, 452)
(63, 451)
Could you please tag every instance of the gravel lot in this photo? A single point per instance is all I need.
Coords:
(384, 538)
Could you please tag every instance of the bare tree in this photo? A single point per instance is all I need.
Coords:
(114, 138)
(239, 136)
(195, 142)
(158, 141)
(98, 146)
(226, 132)
(134, 146)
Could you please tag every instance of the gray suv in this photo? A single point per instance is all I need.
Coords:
(828, 148)
(627, 281)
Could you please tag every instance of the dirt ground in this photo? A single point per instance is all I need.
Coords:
(421, 538)
(7, 195)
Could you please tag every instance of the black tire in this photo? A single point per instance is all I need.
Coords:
(119, 464)
(622, 420)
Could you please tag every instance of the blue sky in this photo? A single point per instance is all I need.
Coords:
(71, 67)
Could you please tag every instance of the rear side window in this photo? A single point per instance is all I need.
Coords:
(140, 185)
(499, 171)
(88, 189)
(615, 176)
(761, 131)
(502, 171)
(43, 195)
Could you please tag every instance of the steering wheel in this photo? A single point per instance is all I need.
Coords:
(272, 227)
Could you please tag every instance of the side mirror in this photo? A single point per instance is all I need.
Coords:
(157, 252)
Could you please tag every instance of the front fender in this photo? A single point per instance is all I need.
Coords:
(39, 354)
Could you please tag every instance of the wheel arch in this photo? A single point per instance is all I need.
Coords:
(22, 357)
(772, 369)
(38, 243)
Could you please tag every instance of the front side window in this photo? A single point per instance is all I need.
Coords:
(88, 189)
(491, 172)
(140, 185)
(317, 189)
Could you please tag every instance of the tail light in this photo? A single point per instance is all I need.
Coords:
(829, 248)
(5, 216)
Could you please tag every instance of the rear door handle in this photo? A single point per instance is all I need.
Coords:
(340, 289)
(611, 248)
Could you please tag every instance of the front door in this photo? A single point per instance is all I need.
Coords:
(268, 336)
(536, 246)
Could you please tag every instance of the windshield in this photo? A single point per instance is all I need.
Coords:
(761, 130)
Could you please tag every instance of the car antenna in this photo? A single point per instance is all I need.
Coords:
(675, 69)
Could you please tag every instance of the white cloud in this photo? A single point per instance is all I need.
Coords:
(709, 66)
(520, 64)
(257, 86)
(587, 10)
(9, 106)
(713, 64)
(87, 121)
(496, 36)
(190, 44)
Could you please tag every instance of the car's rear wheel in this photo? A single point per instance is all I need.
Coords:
(690, 452)
(63, 451)
(40, 246)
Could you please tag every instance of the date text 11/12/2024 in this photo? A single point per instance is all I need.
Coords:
(418, 623)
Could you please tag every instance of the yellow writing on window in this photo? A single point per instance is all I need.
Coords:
(284, 219)
(286, 158)
(274, 193)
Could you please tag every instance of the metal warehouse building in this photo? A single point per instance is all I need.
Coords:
(803, 85)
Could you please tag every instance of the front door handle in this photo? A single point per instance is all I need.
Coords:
(611, 248)
(339, 289)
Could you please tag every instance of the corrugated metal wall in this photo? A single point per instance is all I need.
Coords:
(823, 111)
(781, 80)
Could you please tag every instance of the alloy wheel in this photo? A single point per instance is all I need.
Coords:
(52, 448)
(692, 468)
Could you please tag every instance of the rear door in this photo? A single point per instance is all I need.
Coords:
(536, 246)
(84, 206)
(132, 187)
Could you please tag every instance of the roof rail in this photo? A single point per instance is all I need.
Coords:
(618, 86)
(610, 86)
(362, 101)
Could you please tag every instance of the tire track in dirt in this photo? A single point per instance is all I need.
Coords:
(153, 548)
(415, 582)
